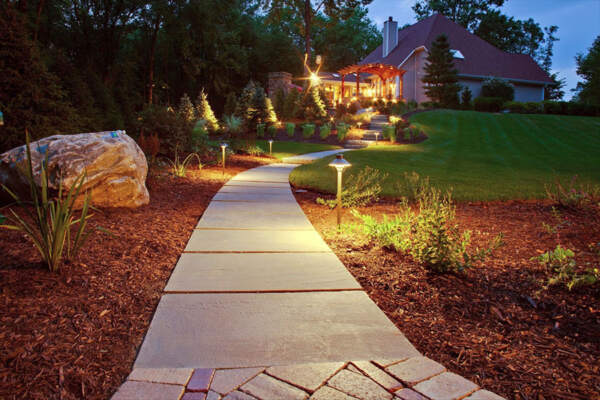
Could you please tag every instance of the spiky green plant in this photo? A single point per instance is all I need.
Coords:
(179, 167)
(49, 224)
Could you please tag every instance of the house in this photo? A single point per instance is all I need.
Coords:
(397, 66)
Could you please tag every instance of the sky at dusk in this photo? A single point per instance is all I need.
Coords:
(578, 24)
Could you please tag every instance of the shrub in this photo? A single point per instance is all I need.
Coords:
(186, 109)
(560, 263)
(392, 233)
(431, 236)
(308, 130)
(412, 186)
(342, 131)
(466, 96)
(340, 110)
(233, 125)
(313, 107)
(353, 107)
(260, 130)
(290, 129)
(515, 107)
(495, 87)
(230, 104)
(253, 150)
(291, 104)
(168, 126)
(205, 112)
(279, 103)
(555, 107)
(325, 131)
(254, 107)
(179, 167)
(583, 109)
(365, 102)
(572, 195)
(199, 137)
(49, 226)
(360, 189)
(430, 104)
(532, 107)
(389, 132)
(150, 145)
(272, 131)
(488, 104)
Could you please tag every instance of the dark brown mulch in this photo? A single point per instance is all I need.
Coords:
(488, 324)
(75, 335)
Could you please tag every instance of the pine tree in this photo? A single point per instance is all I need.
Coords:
(291, 104)
(271, 114)
(465, 98)
(440, 75)
(313, 106)
(230, 104)
(205, 112)
(245, 105)
(186, 109)
(30, 96)
(278, 102)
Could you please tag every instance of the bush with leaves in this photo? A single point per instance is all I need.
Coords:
(572, 194)
(253, 150)
(167, 125)
(291, 104)
(325, 131)
(199, 137)
(308, 131)
(186, 109)
(272, 131)
(560, 263)
(260, 130)
(466, 96)
(150, 145)
(342, 131)
(488, 104)
(179, 167)
(279, 103)
(205, 112)
(389, 132)
(290, 129)
(49, 225)
(496, 87)
(360, 189)
(230, 104)
(313, 107)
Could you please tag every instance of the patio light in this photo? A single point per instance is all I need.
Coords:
(376, 136)
(270, 147)
(223, 147)
(339, 164)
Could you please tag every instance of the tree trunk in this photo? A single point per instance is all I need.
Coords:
(307, 26)
(37, 20)
(151, 61)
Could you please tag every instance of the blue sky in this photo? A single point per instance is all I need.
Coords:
(578, 24)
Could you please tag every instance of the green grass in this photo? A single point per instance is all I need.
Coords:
(288, 149)
(482, 156)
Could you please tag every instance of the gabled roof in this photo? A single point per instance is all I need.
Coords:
(480, 58)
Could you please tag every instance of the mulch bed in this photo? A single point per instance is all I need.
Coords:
(75, 335)
(488, 324)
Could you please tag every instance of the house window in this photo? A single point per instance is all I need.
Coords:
(457, 54)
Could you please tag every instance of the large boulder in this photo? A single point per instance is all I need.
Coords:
(116, 167)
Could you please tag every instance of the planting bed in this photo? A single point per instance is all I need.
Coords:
(488, 324)
(75, 335)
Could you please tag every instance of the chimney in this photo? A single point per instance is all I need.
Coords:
(390, 36)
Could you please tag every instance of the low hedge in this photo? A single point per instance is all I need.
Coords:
(488, 104)
(553, 107)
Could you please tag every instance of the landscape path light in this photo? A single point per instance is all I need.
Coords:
(376, 136)
(270, 147)
(339, 164)
(223, 147)
(1, 118)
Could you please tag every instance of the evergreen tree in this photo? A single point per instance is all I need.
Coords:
(245, 107)
(279, 101)
(554, 91)
(31, 97)
(291, 104)
(186, 109)
(313, 106)
(271, 114)
(230, 104)
(205, 112)
(465, 98)
(440, 75)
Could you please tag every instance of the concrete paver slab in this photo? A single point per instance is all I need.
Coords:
(484, 395)
(227, 380)
(358, 386)
(174, 376)
(257, 184)
(256, 241)
(307, 376)
(310, 157)
(266, 388)
(249, 215)
(256, 189)
(328, 393)
(277, 197)
(267, 173)
(244, 330)
(133, 390)
(416, 369)
(259, 272)
(447, 386)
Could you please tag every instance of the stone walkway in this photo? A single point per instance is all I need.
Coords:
(259, 307)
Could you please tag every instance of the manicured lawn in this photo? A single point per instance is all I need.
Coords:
(288, 149)
(482, 156)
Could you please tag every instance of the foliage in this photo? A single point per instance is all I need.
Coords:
(179, 167)
(497, 87)
(270, 116)
(230, 104)
(279, 103)
(560, 263)
(391, 233)
(554, 90)
(272, 131)
(205, 112)
(572, 194)
(291, 105)
(325, 131)
(488, 104)
(342, 131)
(313, 107)
(290, 128)
(389, 132)
(588, 68)
(412, 186)
(360, 189)
(308, 130)
(253, 150)
(170, 128)
(260, 130)
(186, 109)
(199, 137)
(466, 97)
(150, 145)
(49, 226)
(233, 125)
(465, 13)
(441, 76)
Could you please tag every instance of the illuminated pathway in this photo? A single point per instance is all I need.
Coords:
(259, 307)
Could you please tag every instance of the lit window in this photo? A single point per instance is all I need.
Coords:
(457, 54)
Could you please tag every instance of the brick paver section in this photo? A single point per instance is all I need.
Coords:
(324, 337)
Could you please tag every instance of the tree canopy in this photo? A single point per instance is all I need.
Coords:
(588, 68)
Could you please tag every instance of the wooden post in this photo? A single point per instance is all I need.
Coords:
(342, 96)
(357, 83)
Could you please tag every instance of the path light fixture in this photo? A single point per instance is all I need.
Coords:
(223, 147)
(376, 136)
(1, 118)
(270, 147)
(339, 164)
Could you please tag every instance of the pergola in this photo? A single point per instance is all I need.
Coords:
(383, 71)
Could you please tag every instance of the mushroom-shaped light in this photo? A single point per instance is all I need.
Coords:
(224, 145)
(339, 163)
